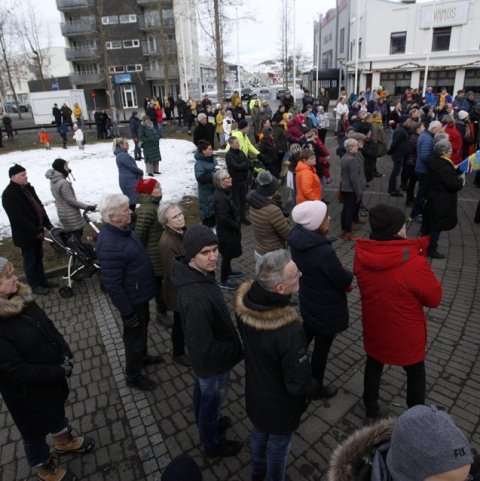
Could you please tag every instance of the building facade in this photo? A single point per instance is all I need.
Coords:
(397, 40)
(122, 52)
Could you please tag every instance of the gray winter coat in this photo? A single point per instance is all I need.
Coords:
(352, 174)
(68, 207)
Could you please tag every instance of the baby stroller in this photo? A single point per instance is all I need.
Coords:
(82, 259)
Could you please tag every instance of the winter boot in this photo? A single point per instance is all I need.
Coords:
(51, 471)
(68, 441)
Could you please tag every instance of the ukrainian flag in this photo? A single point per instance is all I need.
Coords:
(470, 164)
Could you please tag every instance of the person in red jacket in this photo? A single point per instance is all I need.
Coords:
(455, 139)
(396, 283)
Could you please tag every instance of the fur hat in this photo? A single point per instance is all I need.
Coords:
(266, 183)
(386, 220)
(16, 169)
(196, 238)
(425, 441)
(310, 214)
(462, 115)
(146, 186)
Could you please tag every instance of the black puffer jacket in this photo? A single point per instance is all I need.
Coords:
(211, 338)
(400, 146)
(32, 380)
(323, 298)
(278, 376)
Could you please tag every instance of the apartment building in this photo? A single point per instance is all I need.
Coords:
(122, 52)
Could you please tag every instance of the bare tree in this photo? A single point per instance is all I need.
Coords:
(6, 24)
(30, 27)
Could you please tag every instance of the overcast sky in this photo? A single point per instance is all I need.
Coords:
(259, 40)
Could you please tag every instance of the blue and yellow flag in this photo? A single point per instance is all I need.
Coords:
(470, 164)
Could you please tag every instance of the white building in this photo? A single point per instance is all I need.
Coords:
(398, 39)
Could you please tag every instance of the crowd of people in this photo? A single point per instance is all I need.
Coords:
(147, 252)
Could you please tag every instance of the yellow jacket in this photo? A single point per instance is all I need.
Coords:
(219, 121)
(245, 145)
(77, 112)
(236, 101)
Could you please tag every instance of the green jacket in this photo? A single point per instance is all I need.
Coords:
(149, 229)
(150, 144)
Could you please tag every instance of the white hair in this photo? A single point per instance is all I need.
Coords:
(164, 209)
(110, 204)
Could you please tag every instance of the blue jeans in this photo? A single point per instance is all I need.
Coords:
(208, 397)
(33, 264)
(36, 449)
(269, 453)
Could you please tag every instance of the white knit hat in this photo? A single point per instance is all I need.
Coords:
(310, 214)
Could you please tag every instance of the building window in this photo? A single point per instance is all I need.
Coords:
(167, 16)
(110, 20)
(398, 41)
(441, 39)
(116, 69)
(128, 18)
(113, 44)
(131, 43)
(128, 94)
(134, 68)
(342, 40)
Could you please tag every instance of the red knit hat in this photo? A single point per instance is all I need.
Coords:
(146, 186)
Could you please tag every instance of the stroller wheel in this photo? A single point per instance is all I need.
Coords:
(66, 291)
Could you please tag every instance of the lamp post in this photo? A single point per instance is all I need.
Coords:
(429, 51)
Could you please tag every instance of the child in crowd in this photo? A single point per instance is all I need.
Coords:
(78, 136)
(44, 138)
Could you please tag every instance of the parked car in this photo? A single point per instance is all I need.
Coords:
(280, 94)
(12, 107)
(247, 93)
(264, 90)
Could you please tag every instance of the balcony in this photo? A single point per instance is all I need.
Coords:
(148, 3)
(82, 53)
(85, 26)
(150, 49)
(86, 78)
(71, 5)
(150, 22)
(158, 73)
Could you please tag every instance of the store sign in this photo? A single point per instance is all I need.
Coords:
(445, 14)
(123, 78)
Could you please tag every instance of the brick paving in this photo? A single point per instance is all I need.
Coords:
(137, 433)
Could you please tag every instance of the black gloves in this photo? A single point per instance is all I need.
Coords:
(91, 207)
(67, 365)
(131, 320)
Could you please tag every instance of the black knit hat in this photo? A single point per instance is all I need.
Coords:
(242, 123)
(59, 166)
(266, 183)
(15, 169)
(196, 238)
(386, 220)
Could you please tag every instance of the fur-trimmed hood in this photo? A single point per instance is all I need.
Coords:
(15, 304)
(349, 455)
(264, 320)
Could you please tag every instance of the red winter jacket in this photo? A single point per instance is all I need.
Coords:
(395, 283)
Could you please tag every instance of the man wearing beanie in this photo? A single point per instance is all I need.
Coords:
(28, 220)
(396, 283)
(323, 285)
(423, 444)
(270, 227)
(210, 336)
(245, 145)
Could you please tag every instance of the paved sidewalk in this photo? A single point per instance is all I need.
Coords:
(137, 433)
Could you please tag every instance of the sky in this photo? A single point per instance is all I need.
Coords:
(259, 39)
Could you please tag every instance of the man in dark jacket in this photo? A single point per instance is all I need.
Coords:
(130, 283)
(66, 114)
(28, 220)
(98, 117)
(181, 111)
(57, 115)
(210, 336)
(239, 167)
(204, 130)
(134, 124)
(278, 377)
(287, 100)
(399, 150)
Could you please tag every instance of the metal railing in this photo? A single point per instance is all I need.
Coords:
(74, 4)
(82, 53)
(158, 73)
(153, 49)
(86, 78)
(79, 27)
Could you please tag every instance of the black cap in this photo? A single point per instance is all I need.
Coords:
(15, 169)
(386, 220)
(242, 124)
